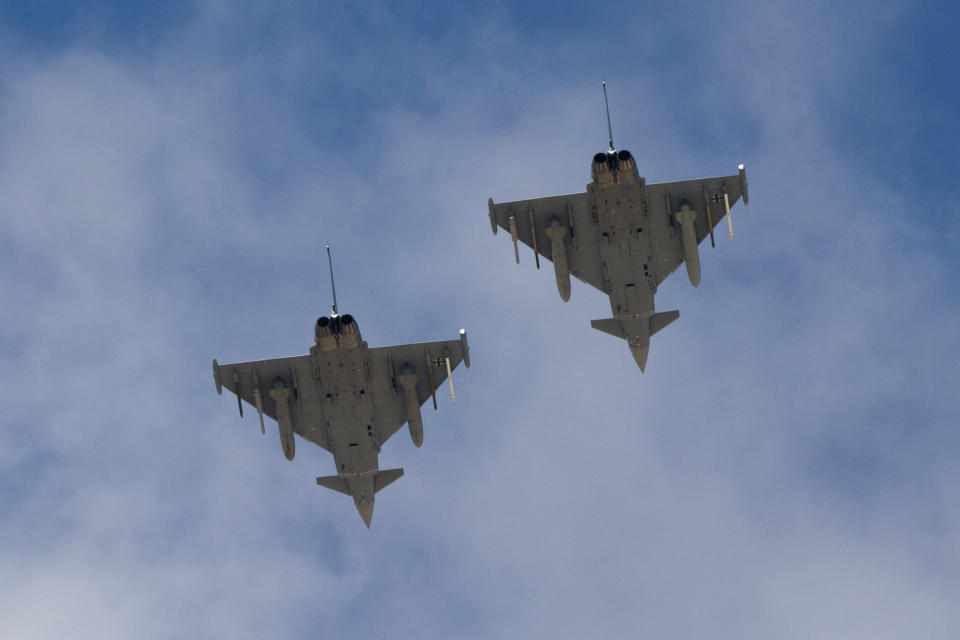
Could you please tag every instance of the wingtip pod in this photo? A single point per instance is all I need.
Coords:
(216, 377)
(465, 348)
(743, 185)
(493, 216)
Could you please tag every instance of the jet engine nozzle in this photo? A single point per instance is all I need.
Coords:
(324, 333)
(627, 172)
(324, 327)
(348, 330)
(348, 325)
(602, 169)
(614, 167)
(337, 331)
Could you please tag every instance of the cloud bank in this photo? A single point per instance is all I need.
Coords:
(784, 468)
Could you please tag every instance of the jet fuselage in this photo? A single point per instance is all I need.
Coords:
(623, 235)
(342, 366)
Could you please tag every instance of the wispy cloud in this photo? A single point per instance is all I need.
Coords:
(785, 467)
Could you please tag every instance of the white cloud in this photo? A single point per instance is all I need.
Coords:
(785, 466)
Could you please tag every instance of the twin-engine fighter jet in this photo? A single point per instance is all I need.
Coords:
(347, 398)
(623, 236)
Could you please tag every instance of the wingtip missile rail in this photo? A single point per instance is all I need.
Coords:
(465, 348)
(743, 185)
(744, 193)
(216, 377)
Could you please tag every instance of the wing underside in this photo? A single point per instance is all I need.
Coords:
(427, 361)
(530, 219)
(711, 198)
(248, 380)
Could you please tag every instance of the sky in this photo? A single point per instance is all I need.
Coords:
(786, 467)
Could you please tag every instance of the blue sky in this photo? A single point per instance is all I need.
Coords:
(785, 468)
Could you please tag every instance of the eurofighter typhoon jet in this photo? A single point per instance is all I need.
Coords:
(623, 236)
(347, 398)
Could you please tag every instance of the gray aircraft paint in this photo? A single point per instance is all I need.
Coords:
(347, 398)
(624, 237)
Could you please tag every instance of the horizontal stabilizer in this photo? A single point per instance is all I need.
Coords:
(609, 325)
(614, 327)
(384, 478)
(337, 483)
(660, 320)
(342, 483)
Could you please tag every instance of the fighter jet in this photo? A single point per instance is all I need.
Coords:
(623, 236)
(346, 397)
